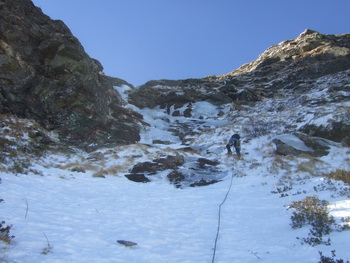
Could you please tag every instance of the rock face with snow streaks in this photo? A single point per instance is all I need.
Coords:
(46, 75)
(310, 63)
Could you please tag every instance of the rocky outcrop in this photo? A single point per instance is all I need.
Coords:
(293, 65)
(182, 172)
(335, 131)
(170, 92)
(310, 62)
(299, 143)
(160, 164)
(46, 75)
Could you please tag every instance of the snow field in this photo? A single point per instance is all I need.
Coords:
(83, 218)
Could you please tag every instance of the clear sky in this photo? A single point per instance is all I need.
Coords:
(141, 40)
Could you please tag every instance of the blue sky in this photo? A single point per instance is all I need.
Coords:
(141, 40)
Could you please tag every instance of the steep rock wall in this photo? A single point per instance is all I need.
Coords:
(46, 75)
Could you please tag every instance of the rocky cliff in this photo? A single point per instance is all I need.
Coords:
(46, 75)
(311, 63)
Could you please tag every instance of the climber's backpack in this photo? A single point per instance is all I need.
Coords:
(236, 140)
(236, 136)
(237, 143)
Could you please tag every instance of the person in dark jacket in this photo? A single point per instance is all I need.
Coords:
(234, 141)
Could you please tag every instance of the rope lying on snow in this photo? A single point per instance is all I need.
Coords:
(219, 219)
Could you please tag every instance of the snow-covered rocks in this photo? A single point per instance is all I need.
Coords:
(298, 143)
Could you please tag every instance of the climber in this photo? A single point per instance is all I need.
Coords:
(235, 142)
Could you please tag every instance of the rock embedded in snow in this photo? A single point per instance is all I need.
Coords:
(160, 164)
(176, 177)
(127, 243)
(204, 161)
(298, 143)
(137, 177)
(203, 182)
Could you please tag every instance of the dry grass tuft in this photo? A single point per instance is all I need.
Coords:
(5, 235)
(281, 163)
(340, 175)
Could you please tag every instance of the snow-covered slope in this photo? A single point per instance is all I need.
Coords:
(73, 207)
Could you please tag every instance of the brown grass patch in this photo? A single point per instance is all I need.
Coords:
(341, 175)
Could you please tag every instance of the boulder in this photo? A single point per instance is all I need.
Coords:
(298, 143)
(160, 164)
(203, 162)
(147, 167)
(176, 178)
(171, 161)
(137, 177)
(203, 182)
(127, 243)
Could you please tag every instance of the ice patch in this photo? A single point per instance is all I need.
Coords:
(123, 91)
(204, 109)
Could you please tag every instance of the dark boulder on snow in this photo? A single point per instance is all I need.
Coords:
(298, 143)
(196, 172)
(176, 177)
(203, 182)
(203, 162)
(46, 75)
(160, 164)
(180, 172)
(137, 177)
(184, 178)
(147, 167)
(127, 243)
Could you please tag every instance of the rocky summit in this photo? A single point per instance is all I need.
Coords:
(46, 75)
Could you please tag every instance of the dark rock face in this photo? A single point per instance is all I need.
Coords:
(46, 75)
(171, 92)
(335, 131)
(295, 62)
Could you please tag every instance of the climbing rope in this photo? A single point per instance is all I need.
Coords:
(219, 218)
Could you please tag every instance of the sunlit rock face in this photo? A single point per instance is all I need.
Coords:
(312, 63)
(46, 75)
